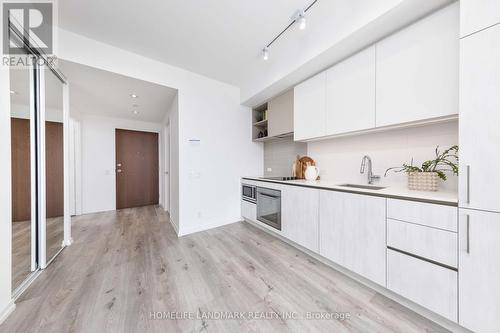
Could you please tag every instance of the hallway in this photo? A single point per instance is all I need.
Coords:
(126, 265)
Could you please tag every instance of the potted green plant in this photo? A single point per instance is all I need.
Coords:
(426, 177)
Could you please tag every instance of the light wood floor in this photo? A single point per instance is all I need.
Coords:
(125, 265)
(21, 246)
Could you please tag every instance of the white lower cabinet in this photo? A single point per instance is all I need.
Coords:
(300, 216)
(249, 210)
(352, 233)
(408, 247)
(479, 264)
(429, 243)
(432, 286)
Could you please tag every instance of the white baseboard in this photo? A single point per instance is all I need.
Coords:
(444, 322)
(7, 311)
(204, 227)
(176, 228)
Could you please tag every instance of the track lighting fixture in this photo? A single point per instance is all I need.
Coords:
(299, 17)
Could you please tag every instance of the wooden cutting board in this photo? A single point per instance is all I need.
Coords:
(301, 164)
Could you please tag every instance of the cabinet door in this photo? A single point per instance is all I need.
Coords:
(417, 70)
(280, 114)
(353, 233)
(309, 108)
(249, 210)
(479, 271)
(300, 216)
(479, 119)
(427, 284)
(350, 94)
(478, 14)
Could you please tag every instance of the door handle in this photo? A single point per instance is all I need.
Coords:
(467, 184)
(269, 195)
(468, 232)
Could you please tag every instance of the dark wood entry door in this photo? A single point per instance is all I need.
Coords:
(136, 169)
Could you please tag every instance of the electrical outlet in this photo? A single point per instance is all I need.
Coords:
(269, 169)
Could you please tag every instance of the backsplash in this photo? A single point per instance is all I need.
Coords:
(339, 159)
(280, 154)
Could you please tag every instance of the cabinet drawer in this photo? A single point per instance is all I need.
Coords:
(426, 284)
(432, 215)
(430, 243)
(249, 210)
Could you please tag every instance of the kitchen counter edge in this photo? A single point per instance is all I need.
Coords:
(386, 193)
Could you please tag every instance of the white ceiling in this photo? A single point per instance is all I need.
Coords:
(97, 92)
(216, 38)
(221, 39)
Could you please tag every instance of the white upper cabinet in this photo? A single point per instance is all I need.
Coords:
(280, 114)
(476, 15)
(309, 108)
(479, 119)
(300, 216)
(350, 94)
(417, 70)
(353, 233)
(479, 271)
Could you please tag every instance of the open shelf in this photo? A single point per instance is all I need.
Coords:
(259, 123)
(264, 138)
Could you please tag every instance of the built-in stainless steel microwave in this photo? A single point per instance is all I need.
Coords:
(249, 193)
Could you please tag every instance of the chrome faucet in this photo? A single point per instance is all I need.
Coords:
(371, 176)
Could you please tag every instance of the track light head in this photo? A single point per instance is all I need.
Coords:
(301, 20)
(265, 53)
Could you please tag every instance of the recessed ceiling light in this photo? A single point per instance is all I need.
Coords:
(134, 96)
(136, 112)
(12, 92)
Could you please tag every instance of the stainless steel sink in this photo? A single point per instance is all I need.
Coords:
(365, 187)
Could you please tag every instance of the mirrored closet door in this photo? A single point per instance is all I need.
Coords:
(40, 219)
(39, 109)
(23, 146)
(54, 163)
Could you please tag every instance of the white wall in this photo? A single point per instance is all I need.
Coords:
(98, 159)
(75, 165)
(209, 174)
(172, 118)
(339, 159)
(5, 196)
